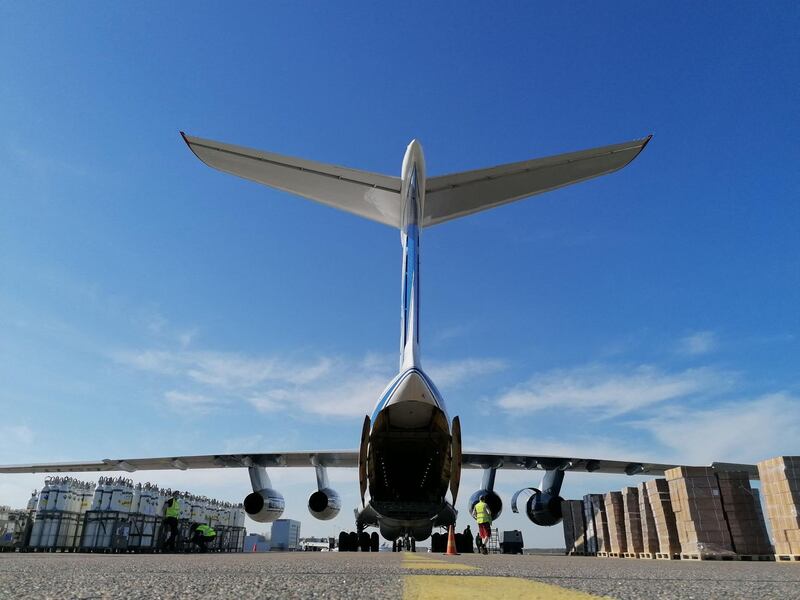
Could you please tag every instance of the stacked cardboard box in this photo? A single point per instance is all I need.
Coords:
(780, 484)
(615, 512)
(569, 529)
(600, 523)
(663, 516)
(743, 513)
(588, 519)
(578, 526)
(700, 518)
(633, 521)
(649, 532)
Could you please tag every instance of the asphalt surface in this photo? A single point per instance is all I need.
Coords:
(346, 575)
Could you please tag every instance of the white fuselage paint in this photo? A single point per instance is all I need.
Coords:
(410, 402)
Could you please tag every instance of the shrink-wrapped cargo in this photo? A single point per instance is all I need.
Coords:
(699, 515)
(615, 513)
(780, 486)
(658, 496)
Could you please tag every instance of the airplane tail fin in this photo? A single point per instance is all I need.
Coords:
(461, 194)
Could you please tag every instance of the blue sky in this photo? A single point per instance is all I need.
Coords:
(152, 306)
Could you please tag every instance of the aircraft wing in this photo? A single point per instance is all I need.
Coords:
(487, 460)
(349, 459)
(370, 195)
(328, 458)
(460, 194)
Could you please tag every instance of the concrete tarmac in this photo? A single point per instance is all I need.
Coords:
(386, 575)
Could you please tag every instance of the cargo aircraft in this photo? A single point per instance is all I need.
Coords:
(410, 451)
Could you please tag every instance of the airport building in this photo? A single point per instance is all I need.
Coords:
(285, 535)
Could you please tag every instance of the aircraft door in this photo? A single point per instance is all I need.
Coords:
(362, 457)
(455, 474)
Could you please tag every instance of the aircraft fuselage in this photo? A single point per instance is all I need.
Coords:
(409, 460)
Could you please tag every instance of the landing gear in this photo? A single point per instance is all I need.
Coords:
(361, 541)
(405, 543)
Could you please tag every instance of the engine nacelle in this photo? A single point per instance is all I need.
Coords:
(324, 504)
(264, 506)
(492, 499)
(544, 509)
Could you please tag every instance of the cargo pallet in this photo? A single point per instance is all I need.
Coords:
(664, 556)
(576, 553)
(603, 554)
(702, 556)
(756, 557)
(630, 555)
(787, 557)
(646, 555)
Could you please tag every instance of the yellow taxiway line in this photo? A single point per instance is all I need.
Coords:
(460, 587)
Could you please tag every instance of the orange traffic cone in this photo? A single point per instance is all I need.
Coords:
(451, 542)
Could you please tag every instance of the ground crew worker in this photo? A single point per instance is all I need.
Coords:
(172, 510)
(203, 536)
(484, 517)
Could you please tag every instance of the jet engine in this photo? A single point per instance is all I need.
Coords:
(324, 504)
(492, 499)
(541, 508)
(264, 506)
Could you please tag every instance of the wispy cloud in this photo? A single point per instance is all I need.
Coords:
(610, 392)
(701, 342)
(324, 386)
(12, 436)
(197, 403)
(738, 431)
(456, 372)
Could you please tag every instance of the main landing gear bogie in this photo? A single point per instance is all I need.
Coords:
(359, 542)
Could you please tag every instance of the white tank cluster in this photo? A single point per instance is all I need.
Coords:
(116, 513)
(59, 507)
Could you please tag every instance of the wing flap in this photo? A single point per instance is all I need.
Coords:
(369, 195)
(488, 460)
(460, 194)
(328, 458)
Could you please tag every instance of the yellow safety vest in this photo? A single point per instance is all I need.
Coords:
(482, 512)
(206, 530)
(175, 509)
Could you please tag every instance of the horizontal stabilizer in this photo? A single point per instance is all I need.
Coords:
(369, 195)
(460, 194)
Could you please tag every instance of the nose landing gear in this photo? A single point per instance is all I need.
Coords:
(405, 543)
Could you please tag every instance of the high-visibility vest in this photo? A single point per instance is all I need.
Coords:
(206, 530)
(174, 509)
(482, 514)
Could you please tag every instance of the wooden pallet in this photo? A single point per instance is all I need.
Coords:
(756, 557)
(787, 557)
(661, 556)
(646, 555)
(615, 555)
(630, 555)
(701, 556)
(575, 553)
(602, 554)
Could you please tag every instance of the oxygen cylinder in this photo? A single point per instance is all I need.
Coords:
(136, 499)
(105, 493)
(41, 507)
(33, 501)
